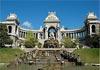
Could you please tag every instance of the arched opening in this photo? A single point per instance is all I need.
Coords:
(44, 33)
(41, 35)
(24, 34)
(93, 29)
(62, 35)
(52, 33)
(16, 29)
(37, 35)
(10, 29)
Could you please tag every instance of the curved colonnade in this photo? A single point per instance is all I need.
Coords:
(73, 34)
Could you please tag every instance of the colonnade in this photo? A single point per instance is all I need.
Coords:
(38, 35)
(73, 35)
(22, 34)
(81, 33)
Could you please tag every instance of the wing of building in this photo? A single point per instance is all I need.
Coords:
(51, 29)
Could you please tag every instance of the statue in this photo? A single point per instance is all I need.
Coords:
(51, 34)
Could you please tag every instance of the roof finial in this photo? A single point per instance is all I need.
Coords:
(51, 13)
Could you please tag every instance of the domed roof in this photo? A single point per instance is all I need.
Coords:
(91, 15)
(51, 18)
(12, 16)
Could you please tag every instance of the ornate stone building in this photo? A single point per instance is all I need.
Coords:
(51, 29)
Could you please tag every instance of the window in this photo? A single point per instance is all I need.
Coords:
(16, 29)
(10, 29)
(93, 29)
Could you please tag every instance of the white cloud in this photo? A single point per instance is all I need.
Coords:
(27, 24)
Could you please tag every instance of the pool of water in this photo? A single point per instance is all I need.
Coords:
(50, 67)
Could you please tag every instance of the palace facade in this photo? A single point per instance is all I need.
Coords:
(51, 29)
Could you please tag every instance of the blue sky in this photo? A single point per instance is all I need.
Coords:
(70, 12)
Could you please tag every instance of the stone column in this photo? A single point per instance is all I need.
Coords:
(21, 34)
(67, 34)
(17, 32)
(84, 33)
(71, 35)
(64, 34)
(59, 33)
(56, 35)
(75, 35)
(46, 33)
(80, 34)
(38, 35)
(13, 29)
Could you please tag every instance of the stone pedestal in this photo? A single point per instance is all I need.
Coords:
(36, 46)
(62, 47)
(77, 46)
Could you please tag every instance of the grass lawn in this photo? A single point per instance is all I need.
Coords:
(8, 54)
(90, 55)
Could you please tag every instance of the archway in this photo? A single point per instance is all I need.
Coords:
(10, 29)
(93, 28)
(52, 32)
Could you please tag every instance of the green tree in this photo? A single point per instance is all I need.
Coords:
(4, 37)
(39, 45)
(55, 43)
(93, 41)
(76, 40)
(30, 40)
(8, 41)
(67, 42)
